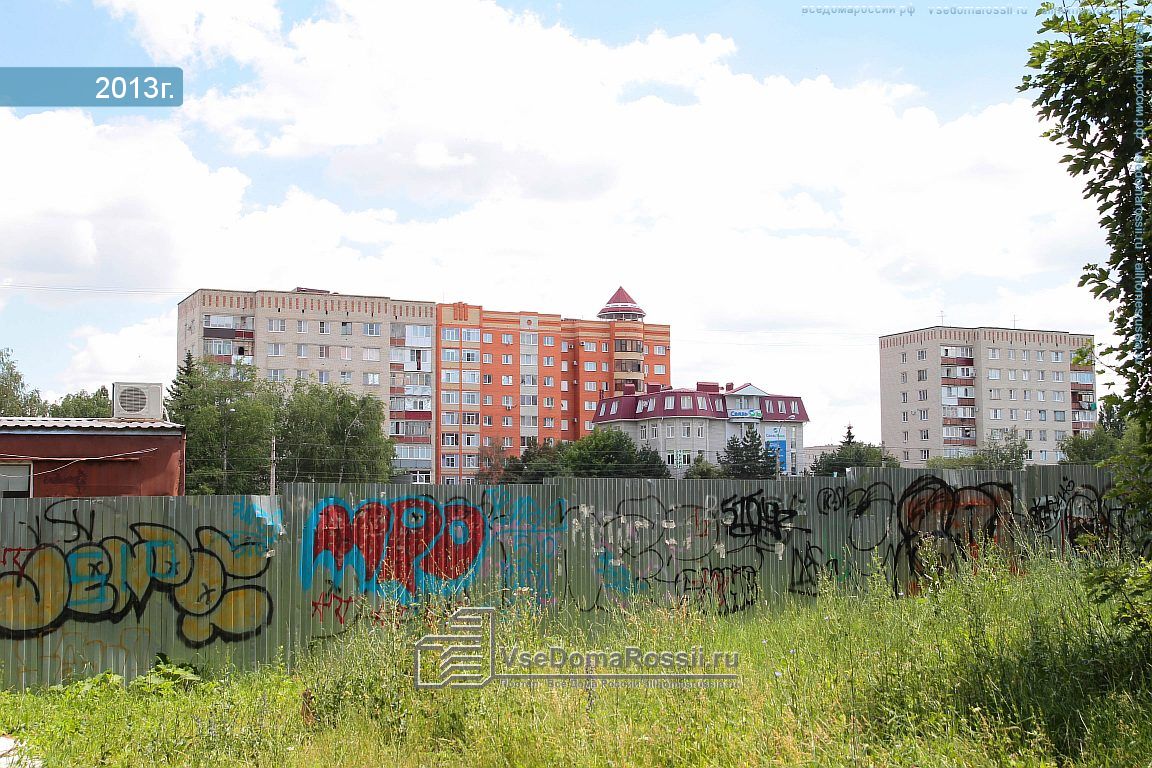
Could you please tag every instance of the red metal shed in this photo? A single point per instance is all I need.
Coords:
(90, 457)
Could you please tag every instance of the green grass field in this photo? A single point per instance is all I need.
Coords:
(1001, 667)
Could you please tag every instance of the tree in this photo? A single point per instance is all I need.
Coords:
(852, 453)
(702, 469)
(491, 459)
(605, 453)
(330, 435)
(1092, 447)
(81, 405)
(16, 398)
(745, 458)
(535, 464)
(1110, 420)
(1088, 91)
(650, 465)
(1006, 452)
(228, 422)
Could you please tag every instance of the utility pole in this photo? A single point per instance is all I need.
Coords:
(272, 477)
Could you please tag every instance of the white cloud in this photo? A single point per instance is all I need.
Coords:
(141, 352)
(797, 220)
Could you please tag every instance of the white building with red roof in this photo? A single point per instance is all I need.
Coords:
(681, 423)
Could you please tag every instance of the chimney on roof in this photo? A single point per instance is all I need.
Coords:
(629, 387)
(728, 387)
(653, 388)
(707, 386)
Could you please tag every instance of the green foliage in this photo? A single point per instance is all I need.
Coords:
(650, 465)
(16, 398)
(1127, 585)
(166, 677)
(702, 469)
(229, 422)
(81, 405)
(323, 433)
(745, 458)
(1005, 453)
(329, 435)
(1091, 447)
(611, 453)
(1086, 89)
(535, 464)
(852, 453)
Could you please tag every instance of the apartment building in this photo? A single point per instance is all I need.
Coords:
(370, 344)
(681, 424)
(947, 391)
(509, 378)
(455, 377)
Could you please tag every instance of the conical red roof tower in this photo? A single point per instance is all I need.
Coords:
(621, 307)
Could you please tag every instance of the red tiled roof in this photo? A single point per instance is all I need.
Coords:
(621, 302)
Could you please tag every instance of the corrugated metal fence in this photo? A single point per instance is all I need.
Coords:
(94, 584)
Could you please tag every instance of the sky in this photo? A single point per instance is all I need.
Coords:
(779, 184)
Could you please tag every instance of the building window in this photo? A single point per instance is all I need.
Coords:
(345, 353)
(345, 377)
(921, 354)
(590, 386)
(276, 374)
(506, 359)
(15, 481)
(487, 338)
(549, 361)
(449, 355)
(346, 329)
(903, 397)
(324, 377)
(325, 326)
(590, 366)
(993, 353)
(371, 329)
(658, 370)
(276, 324)
(529, 360)
(450, 439)
(371, 354)
(470, 334)
(993, 374)
(371, 379)
(904, 416)
(922, 395)
(275, 350)
(924, 454)
(505, 338)
(450, 334)
(903, 377)
(589, 405)
(923, 434)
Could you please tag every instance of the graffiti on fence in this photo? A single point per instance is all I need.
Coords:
(527, 538)
(69, 575)
(1076, 510)
(397, 549)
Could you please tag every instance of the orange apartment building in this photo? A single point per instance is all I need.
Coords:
(508, 378)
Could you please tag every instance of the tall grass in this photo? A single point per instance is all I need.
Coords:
(1000, 664)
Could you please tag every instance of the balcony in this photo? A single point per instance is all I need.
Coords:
(957, 421)
(1086, 368)
(1078, 386)
(957, 361)
(959, 441)
(957, 382)
(245, 335)
(424, 366)
(966, 401)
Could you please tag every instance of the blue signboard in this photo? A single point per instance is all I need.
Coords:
(778, 448)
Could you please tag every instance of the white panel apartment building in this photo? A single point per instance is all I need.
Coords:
(946, 391)
(370, 344)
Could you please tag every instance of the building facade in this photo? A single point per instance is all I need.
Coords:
(372, 345)
(508, 379)
(455, 377)
(682, 424)
(75, 458)
(948, 391)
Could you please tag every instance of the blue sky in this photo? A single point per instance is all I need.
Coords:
(780, 186)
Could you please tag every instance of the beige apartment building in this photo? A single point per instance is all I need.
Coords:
(371, 344)
(947, 391)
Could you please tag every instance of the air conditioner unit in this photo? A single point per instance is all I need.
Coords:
(137, 401)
